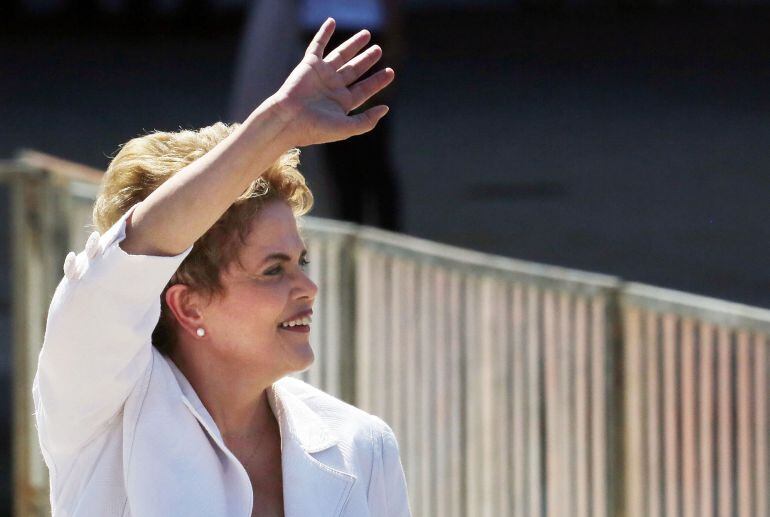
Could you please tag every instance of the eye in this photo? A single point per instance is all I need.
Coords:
(274, 271)
(303, 262)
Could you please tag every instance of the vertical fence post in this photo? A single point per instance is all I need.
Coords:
(614, 415)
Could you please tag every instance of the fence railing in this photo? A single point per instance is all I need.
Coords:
(514, 388)
(468, 357)
(696, 405)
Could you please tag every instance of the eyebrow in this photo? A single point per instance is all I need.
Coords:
(283, 257)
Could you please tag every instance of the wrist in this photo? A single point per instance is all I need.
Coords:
(261, 140)
(284, 114)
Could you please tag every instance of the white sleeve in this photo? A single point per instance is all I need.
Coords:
(97, 343)
(389, 488)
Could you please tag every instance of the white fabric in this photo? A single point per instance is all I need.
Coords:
(124, 433)
(348, 14)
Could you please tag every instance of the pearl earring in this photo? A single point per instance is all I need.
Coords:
(201, 332)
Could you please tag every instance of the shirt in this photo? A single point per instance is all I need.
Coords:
(124, 433)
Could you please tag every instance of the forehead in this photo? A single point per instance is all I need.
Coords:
(272, 230)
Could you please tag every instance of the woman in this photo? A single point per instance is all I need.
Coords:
(202, 259)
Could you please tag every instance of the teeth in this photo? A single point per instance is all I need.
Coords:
(293, 323)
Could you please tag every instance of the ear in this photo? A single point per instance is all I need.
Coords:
(186, 306)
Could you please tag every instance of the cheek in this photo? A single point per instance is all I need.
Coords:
(258, 306)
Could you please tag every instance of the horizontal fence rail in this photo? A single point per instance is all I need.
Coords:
(514, 388)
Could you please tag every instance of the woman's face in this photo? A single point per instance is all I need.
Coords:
(245, 325)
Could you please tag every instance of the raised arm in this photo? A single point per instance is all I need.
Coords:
(98, 339)
(311, 107)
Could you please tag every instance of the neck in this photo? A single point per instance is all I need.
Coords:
(235, 398)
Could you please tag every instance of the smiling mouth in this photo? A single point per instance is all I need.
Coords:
(297, 325)
(303, 321)
(297, 328)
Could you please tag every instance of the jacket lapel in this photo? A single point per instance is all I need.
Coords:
(310, 487)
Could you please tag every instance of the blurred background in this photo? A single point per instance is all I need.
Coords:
(628, 138)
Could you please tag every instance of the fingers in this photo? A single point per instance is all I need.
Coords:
(366, 121)
(356, 67)
(346, 51)
(321, 38)
(363, 90)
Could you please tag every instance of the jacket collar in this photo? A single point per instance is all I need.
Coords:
(298, 421)
(310, 487)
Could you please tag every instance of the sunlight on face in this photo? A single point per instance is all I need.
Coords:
(272, 288)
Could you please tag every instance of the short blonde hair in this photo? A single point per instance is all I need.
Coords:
(145, 162)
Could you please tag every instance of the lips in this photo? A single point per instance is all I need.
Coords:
(302, 314)
(303, 329)
(304, 319)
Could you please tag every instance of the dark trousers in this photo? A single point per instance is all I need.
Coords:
(361, 167)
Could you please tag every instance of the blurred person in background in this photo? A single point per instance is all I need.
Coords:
(162, 385)
(361, 169)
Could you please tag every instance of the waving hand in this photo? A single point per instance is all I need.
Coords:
(320, 92)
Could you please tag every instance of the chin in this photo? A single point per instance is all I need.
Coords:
(303, 358)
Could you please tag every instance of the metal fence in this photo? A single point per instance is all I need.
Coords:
(514, 388)
(470, 359)
(696, 402)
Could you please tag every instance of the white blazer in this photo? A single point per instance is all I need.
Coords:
(123, 432)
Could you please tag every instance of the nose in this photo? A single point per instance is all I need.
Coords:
(307, 288)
